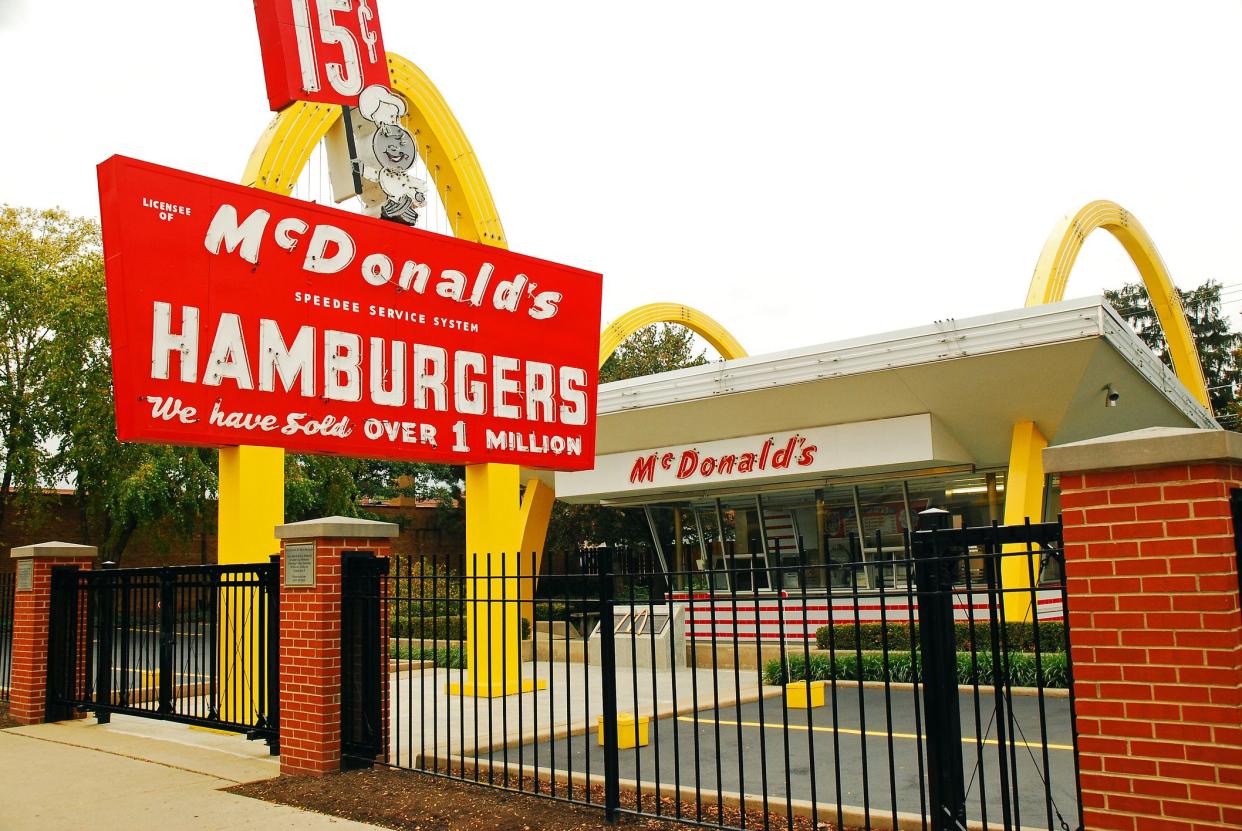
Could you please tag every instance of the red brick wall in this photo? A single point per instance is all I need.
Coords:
(310, 660)
(31, 619)
(1156, 628)
(57, 519)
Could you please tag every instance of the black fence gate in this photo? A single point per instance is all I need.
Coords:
(8, 586)
(192, 644)
(362, 658)
(936, 667)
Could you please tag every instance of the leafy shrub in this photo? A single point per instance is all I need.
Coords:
(450, 628)
(422, 588)
(1020, 637)
(555, 610)
(903, 667)
(428, 628)
(445, 657)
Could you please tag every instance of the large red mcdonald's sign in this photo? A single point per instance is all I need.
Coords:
(242, 317)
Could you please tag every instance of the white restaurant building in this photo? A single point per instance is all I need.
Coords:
(786, 451)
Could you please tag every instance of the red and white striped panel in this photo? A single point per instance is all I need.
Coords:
(775, 617)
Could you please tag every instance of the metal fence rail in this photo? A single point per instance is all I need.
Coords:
(8, 586)
(193, 644)
(924, 721)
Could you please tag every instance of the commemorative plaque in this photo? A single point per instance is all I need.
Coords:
(25, 575)
(300, 564)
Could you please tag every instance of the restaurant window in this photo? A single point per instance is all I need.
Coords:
(812, 538)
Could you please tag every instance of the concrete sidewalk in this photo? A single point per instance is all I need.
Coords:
(139, 775)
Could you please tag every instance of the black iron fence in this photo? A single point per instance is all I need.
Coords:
(8, 586)
(192, 644)
(933, 690)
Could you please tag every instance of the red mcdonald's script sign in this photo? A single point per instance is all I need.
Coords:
(326, 51)
(242, 317)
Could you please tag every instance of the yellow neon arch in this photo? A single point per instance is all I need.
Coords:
(252, 478)
(286, 145)
(1057, 260)
(497, 518)
(701, 324)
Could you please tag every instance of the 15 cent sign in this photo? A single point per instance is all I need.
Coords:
(325, 51)
(242, 317)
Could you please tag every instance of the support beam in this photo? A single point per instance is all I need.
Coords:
(252, 504)
(533, 519)
(494, 534)
(1024, 499)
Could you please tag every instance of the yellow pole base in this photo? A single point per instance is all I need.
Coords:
(202, 729)
(629, 732)
(803, 695)
(472, 690)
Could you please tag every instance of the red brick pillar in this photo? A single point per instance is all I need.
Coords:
(31, 618)
(311, 553)
(1156, 626)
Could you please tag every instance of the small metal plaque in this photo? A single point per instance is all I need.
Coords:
(300, 564)
(25, 575)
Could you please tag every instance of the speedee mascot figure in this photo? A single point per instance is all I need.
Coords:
(395, 151)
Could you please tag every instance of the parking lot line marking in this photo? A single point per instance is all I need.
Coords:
(853, 732)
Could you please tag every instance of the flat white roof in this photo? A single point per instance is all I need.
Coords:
(974, 377)
(1088, 317)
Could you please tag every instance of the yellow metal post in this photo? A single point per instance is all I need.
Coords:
(533, 519)
(493, 628)
(1024, 499)
(252, 504)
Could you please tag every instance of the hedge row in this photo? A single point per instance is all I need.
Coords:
(1020, 637)
(441, 628)
(451, 628)
(903, 668)
(445, 657)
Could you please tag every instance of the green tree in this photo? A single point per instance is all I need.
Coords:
(57, 419)
(1218, 345)
(651, 350)
(48, 265)
(318, 486)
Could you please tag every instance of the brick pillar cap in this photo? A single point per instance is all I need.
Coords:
(1150, 447)
(54, 549)
(336, 527)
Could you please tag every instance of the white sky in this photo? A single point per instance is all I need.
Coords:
(801, 171)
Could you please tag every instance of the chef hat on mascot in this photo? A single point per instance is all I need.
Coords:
(380, 106)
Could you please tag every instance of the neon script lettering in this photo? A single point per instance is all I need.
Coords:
(331, 250)
(794, 453)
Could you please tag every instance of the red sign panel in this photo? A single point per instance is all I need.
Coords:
(326, 51)
(242, 317)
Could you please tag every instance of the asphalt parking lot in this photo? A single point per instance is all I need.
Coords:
(871, 753)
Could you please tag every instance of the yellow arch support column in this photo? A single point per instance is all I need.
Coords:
(536, 513)
(1061, 251)
(493, 629)
(252, 493)
(1024, 484)
(1024, 499)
